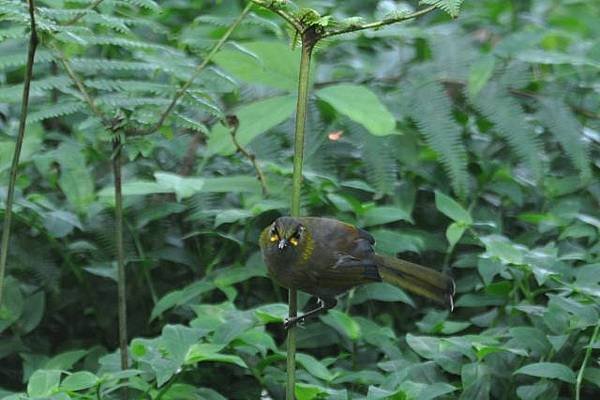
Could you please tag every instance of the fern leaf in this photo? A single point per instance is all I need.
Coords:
(555, 115)
(56, 110)
(430, 108)
(11, 94)
(452, 7)
(496, 104)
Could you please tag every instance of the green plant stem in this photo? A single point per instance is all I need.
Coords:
(198, 70)
(588, 353)
(308, 41)
(82, 14)
(289, 18)
(379, 24)
(122, 298)
(10, 195)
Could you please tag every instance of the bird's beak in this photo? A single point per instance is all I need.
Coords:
(282, 244)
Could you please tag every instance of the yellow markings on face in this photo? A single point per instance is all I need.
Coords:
(274, 235)
(294, 241)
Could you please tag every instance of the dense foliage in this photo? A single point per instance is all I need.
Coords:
(468, 144)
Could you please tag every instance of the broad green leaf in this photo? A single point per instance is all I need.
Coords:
(502, 248)
(80, 380)
(205, 352)
(343, 323)
(305, 391)
(180, 297)
(61, 223)
(476, 382)
(549, 370)
(75, 179)
(65, 360)
(380, 291)
(425, 346)
(11, 306)
(314, 367)
(182, 186)
(384, 215)
(268, 313)
(592, 375)
(454, 233)
(479, 73)
(360, 104)
(32, 143)
(33, 311)
(452, 209)
(231, 216)
(43, 382)
(177, 339)
(267, 63)
(272, 112)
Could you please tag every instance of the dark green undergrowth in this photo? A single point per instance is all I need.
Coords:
(468, 144)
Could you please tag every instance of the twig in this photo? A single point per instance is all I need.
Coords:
(588, 353)
(80, 86)
(233, 125)
(33, 42)
(378, 24)
(82, 14)
(197, 71)
(122, 299)
(290, 19)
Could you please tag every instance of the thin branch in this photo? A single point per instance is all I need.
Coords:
(290, 19)
(121, 287)
(197, 72)
(233, 124)
(80, 15)
(588, 353)
(80, 86)
(378, 24)
(33, 42)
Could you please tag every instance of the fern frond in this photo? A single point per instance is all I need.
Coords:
(12, 32)
(130, 86)
(92, 65)
(190, 123)
(11, 94)
(123, 101)
(56, 110)
(431, 110)
(452, 7)
(556, 116)
(496, 104)
(16, 60)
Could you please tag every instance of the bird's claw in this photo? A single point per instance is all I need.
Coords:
(293, 321)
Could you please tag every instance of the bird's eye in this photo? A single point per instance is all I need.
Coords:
(296, 236)
(274, 235)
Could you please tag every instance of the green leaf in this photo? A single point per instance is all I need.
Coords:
(380, 291)
(454, 233)
(33, 311)
(65, 360)
(43, 382)
(479, 73)
(361, 105)
(203, 352)
(384, 215)
(79, 381)
(548, 370)
(452, 7)
(182, 186)
(314, 367)
(452, 209)
(305, 391)
(272, 112)
(267, 63)
(343, 323)
(268, 313)
(476, 382)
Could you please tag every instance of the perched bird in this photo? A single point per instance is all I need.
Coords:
(325, 257)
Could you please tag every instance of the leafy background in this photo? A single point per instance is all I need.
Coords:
(468, 144)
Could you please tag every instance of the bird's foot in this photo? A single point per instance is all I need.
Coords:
(293, 321)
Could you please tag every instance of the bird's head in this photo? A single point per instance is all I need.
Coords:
(285, 235)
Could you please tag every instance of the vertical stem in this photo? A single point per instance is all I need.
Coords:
(10, 195)
(122, 299)
(308, 41)
(588, 353)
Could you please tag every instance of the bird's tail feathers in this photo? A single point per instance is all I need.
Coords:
(417, 279)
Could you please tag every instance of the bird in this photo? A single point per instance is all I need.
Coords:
(325, 257)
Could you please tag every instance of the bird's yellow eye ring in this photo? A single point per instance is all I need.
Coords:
(294, 241)
(274, 237)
